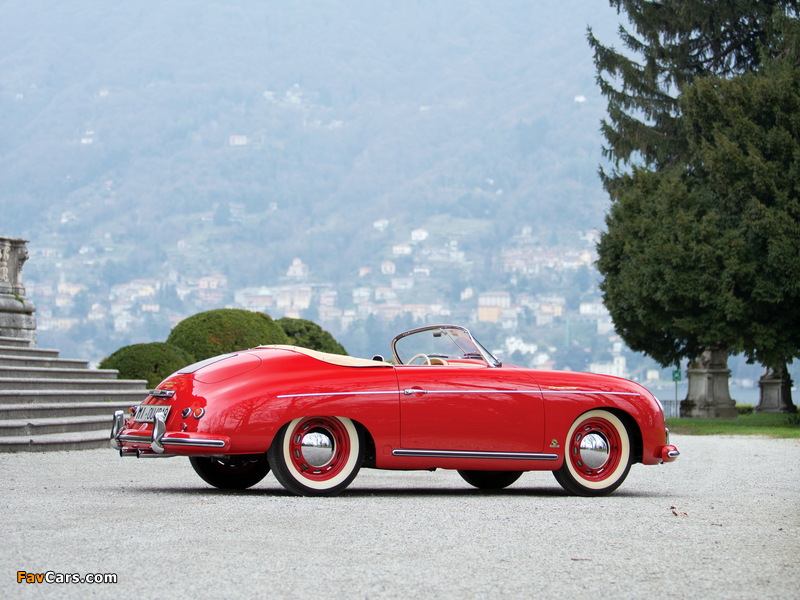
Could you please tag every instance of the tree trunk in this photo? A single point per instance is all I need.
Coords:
(708, 396)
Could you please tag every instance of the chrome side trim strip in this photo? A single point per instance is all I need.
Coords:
(589, 392)
(473, 391)
(474, 454)
(396, 392)
(410, 391)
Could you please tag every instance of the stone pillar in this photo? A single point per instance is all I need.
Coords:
(776, 392)
(16, 311)
(709, 396)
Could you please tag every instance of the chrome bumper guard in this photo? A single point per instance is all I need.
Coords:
(156, 441)
(669, 453)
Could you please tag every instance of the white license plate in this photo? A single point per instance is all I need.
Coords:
(145, 413)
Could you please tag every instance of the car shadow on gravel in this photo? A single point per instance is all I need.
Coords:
(366, 492)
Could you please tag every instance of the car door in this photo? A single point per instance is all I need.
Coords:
(473, 408)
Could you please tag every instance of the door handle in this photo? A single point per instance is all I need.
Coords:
(410, 391)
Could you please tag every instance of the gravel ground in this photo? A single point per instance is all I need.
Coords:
(721, 522)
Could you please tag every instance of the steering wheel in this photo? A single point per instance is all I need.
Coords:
(425, 361)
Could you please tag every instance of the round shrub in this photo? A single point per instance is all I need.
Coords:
(223, 330)
(154, 361)
(310, 335)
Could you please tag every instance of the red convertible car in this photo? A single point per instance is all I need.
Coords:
(442, 402)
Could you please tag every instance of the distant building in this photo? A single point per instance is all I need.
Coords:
(419, 235)
(401, 250)
(297, 270)
(617, 367)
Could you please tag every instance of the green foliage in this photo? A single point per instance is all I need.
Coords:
(662, 259)
(744, 135)
(218, 331)
(701, 244)
(744, 409)
(307, 334)
(673, 42)
(769, 424)
(153, 361)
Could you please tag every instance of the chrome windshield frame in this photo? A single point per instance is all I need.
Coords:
(488, 357)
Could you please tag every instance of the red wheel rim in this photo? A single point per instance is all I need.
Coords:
(599, 440)
(312, 456)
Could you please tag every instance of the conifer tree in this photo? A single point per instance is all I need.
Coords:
(669, 44)
(698, 209)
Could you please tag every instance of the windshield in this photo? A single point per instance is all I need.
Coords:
(447, 342)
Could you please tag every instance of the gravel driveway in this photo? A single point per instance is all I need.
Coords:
(721, 522)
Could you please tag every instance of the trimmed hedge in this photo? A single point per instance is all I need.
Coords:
(223, 330)
(310, 335)
(153, 361)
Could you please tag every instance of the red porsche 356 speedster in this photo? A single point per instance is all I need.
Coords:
(443, 401)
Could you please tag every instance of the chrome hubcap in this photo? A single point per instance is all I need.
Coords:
(317, 447)
(594, 450)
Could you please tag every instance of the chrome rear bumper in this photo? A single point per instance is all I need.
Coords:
(156, 443)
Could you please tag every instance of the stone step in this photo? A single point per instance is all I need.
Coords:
(89, 384)
(15, 341)
(56, 424)
(27, 351)
(50, 442)
(42, 362)
(45, 410)
(56, 373)
(49, 403)
(134, 396)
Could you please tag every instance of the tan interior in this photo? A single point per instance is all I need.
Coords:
(334, 359)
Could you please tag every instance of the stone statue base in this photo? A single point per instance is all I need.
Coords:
(709, 396)
(16, 312)
(776, 392)
(16, 318)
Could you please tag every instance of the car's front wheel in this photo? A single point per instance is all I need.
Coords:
(317, 456)
(597, 456)
(231, 472)
(490, 480)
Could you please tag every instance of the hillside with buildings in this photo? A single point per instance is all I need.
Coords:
(369, 165)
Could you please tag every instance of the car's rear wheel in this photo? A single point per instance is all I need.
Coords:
(490, 480)
(317, 456)
(597, 456)
(231, 472)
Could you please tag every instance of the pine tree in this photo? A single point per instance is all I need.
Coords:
(703, 142)
(674, 42)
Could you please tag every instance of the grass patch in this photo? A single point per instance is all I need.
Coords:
(766, 424)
